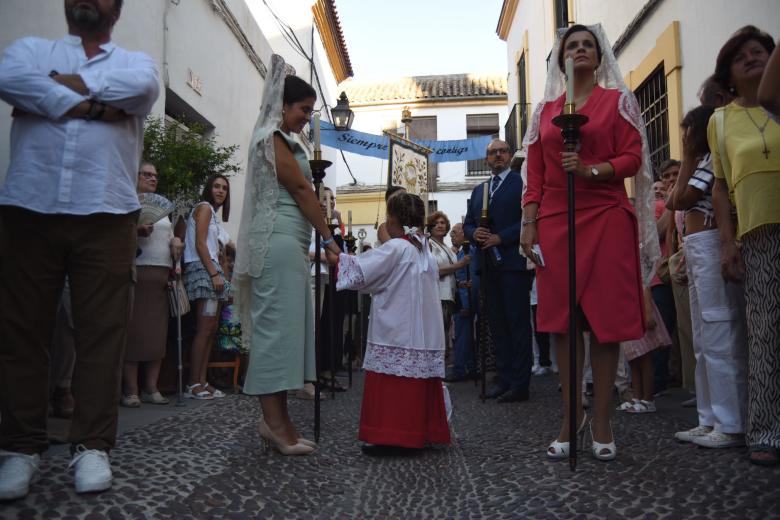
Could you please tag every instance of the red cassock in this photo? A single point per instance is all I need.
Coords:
(403, 411)
(609, 283)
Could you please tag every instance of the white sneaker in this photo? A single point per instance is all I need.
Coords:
(17, 472)
(689, 435)
(720, 440)
(535, 369)
(93, 471)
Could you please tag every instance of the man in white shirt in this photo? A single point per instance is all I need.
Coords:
(68, 207)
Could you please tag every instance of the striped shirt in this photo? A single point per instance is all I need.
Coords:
(703, 179)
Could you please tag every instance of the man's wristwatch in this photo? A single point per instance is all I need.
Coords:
(594, 172)
(96, 109)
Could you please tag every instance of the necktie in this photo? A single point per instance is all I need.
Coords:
(494, 185)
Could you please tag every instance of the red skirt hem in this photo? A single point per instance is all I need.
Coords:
(403, 411)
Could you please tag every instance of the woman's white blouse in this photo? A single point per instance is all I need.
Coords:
(444, 258)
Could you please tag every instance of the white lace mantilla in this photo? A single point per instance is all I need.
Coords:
(404, 362)
(261, 192)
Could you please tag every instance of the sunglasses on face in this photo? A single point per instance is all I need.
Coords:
(148, 175)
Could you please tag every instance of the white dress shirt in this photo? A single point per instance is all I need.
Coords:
(74, 166)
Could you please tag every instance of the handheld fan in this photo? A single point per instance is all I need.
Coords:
(153, 207)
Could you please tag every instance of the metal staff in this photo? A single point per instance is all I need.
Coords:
(570, 122)
(173, 286)
(484, 222)
(332, 315)
(349, 343)
(466, 251)
(318, 166)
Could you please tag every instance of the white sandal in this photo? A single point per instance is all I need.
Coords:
(217, 393)
(606, 451)
(626, 406)
(560, 450)
(642, 406)
(202, 395)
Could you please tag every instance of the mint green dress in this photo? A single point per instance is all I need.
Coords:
(282, 350)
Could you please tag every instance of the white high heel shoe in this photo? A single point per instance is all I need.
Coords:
(604, 451)
(560, 450)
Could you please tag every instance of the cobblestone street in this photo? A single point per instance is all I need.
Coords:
(206, 461)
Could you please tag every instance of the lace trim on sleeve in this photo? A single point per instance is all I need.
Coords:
(350, 273)
(404, 362)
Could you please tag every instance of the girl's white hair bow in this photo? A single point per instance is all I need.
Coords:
(410, 231)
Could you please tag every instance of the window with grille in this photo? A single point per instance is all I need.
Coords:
(425, 128)
(522, 99)
(478, 125)
(561, 8)
(653, 100)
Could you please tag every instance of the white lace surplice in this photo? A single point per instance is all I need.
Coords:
(405, 332)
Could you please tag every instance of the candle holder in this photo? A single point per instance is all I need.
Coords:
(570, 123)
(350, 241)
(318, 167)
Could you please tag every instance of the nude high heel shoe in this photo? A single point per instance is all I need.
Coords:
(271, 440)
(301, 440)
(560, 450)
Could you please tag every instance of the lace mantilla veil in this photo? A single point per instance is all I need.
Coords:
(261, 193)
(608, 76)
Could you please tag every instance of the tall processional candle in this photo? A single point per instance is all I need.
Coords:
(316, 126)
(485, 188)
(349, 222)
(569, 80)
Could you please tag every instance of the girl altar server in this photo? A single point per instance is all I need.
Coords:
(403, 399)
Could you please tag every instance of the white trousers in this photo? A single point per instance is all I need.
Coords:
(719, 336)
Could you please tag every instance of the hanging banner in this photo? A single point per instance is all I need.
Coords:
(363, 143)
(408, 168)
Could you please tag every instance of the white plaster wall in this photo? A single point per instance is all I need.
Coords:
(298, 15)
(536, 17)
(231, 85)
(197, 39)
(705, 25)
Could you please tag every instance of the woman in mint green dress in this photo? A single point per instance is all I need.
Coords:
(272, 265)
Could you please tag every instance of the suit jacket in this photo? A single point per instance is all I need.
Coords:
(506, 214)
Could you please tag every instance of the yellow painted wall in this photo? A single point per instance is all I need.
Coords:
(363, 206)
(667, 53)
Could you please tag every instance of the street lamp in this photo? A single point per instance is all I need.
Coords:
(342, 115)
(406, 119)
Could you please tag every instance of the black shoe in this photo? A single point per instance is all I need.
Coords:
(496, 391)
(381, 450)
(514, 396)
(454, 378)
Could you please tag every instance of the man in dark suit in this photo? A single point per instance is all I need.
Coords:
(504, 273)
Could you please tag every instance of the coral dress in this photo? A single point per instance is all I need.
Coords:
(609, 284)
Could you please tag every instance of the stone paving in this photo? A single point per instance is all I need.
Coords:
(208, 462)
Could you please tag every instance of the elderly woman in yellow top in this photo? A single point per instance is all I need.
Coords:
(745, 144)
